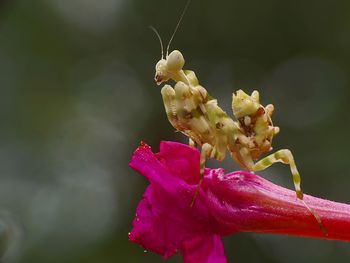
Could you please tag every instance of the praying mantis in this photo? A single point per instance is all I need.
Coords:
(191, 110)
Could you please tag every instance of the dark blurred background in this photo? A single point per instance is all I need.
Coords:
(77, 97)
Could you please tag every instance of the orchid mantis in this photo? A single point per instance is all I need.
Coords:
(191, 110)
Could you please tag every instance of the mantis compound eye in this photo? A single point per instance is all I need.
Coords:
(175, 61)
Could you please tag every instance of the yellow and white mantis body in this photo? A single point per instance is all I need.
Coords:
(192, 111)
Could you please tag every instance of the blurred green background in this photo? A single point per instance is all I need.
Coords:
(77, 97)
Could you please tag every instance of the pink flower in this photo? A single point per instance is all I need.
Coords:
(237, 202)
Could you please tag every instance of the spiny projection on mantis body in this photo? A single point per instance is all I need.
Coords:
(192, 111)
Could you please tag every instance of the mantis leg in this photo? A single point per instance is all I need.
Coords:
(192, 143)
(174, 104)
(168, 94)
(206, 152)
(285, 156)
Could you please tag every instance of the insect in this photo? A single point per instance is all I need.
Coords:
(192, 111)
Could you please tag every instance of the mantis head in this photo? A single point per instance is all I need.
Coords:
(169, 67)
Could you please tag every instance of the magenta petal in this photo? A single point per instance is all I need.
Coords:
(164, 218)
(205, 248)
(146, 163)
(153, 229)
(181, 160)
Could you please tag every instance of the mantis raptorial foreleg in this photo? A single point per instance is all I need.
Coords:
(168, 94)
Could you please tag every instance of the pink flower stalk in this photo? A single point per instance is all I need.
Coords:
(226, 204)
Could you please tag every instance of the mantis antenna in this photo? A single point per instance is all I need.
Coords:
(160, 40)
(177, 25)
